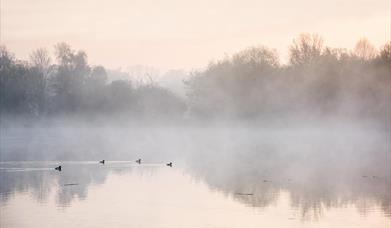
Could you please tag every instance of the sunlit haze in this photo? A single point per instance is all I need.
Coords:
(185, 34)
(201, 113)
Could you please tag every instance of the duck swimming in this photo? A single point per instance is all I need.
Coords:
(138, 161)
(58, 168)
(169, 164)
(103, 162)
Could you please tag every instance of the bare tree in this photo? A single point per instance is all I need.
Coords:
(41, 61)
(385, 52)
(364, 50)
(258, 56)
(305, 49)
(40, 58)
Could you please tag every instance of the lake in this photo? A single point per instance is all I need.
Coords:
(220, 178)
(126, 194)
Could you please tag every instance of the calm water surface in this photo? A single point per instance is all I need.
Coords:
(125, 194)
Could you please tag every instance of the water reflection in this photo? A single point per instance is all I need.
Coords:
(311, 173)
(39, 179)
(256, 184)
(315, 183)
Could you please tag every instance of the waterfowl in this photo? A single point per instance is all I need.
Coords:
(138, 161)
(244, 194)
(169, 164)
(103, 162)
(58, 168)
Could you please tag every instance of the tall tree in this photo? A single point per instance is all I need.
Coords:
(305, 49)
(364, 50)
(71, 73)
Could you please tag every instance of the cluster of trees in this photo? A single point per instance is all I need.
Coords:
(71, 86)
(318, 81)
(251, 84)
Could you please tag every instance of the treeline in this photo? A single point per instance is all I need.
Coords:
(318, 81)
(72, 87)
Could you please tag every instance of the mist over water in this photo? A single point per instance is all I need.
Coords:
(306, 172)
(329, 166)
(307, 139)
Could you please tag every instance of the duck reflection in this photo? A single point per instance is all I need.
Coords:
(39, 179)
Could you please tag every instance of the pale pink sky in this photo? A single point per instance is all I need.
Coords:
(185, 34)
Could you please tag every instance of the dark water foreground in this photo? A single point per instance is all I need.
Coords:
(190, 194)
